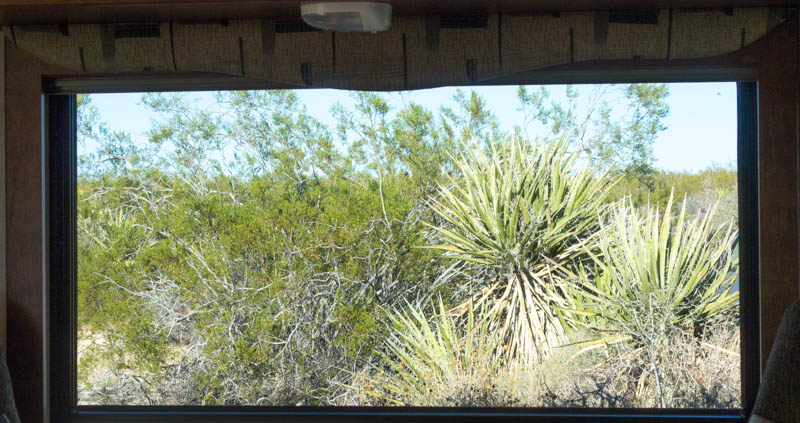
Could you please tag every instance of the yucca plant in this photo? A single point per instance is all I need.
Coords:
(524, 211)
(653, 279)
(438, 362)
(681, 268)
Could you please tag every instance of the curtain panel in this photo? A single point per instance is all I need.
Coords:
(416, 52)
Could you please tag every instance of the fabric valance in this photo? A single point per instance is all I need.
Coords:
(416, 52)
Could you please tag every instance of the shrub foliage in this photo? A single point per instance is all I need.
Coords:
(247, 254)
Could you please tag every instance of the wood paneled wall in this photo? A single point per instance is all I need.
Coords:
(775, 59)
(778, 182)
(24, 251)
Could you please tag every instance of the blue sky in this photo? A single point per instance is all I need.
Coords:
(701, 126)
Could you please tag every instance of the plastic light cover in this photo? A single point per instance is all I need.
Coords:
(348, 16)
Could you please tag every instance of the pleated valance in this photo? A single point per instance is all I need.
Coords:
(416, 52)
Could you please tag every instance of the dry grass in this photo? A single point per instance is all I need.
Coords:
(693, 373)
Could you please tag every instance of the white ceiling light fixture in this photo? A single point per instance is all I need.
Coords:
(348, 16)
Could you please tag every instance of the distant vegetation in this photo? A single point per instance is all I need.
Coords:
(249, 255)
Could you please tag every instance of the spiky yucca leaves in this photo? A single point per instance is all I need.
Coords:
(438, 362)
(523, 210)
(657, 274)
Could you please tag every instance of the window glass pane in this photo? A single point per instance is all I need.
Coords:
(559, 246)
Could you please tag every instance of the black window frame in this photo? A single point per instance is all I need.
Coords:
(60, 123)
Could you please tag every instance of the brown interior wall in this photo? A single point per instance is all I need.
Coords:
(778, 181)
(3, 323)
(24, 272)
(775, 58)
(24, 224)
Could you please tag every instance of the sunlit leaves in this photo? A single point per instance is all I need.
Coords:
(522, 210)
(659, 272)
(430, 357)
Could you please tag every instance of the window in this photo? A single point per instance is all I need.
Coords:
(249, 257)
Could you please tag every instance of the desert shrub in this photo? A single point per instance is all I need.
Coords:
(714, 186)
(247, 292)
